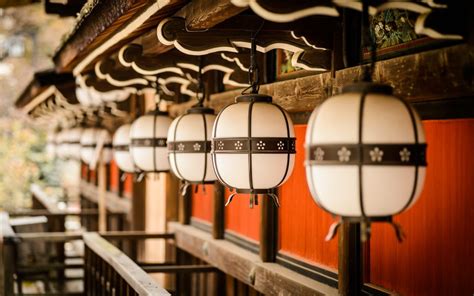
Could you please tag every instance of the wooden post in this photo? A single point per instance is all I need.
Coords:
(218, 222)
(350, 259)
(101, 200)
(7, 255)
(185, 207)
(268, 229)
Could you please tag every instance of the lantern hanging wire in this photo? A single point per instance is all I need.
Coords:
(139, 174)
(254, 87)
(367, 41)
(200, 97)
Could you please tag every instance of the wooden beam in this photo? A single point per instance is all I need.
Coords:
(218, 219)
(179, 268)
(417, 77)
(205, 14)
(267, 278)
(200, 15)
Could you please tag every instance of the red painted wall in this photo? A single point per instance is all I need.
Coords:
(114, 176)
(302, 224)
(242, 220)
(128, 186)
(202, 204)
(437, 257)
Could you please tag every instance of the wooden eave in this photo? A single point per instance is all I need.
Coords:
(103, 22)
(42, 81)
(11, 3)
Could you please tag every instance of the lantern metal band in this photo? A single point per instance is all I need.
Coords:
(189, 147)
(150, 142)
(124, 148)
(252, 145)
(93, 145)
(372, 154)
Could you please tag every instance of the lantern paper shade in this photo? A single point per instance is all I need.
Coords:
(74, 143)
(365, 153)
(253, 145)
(51, 145)
(121, 144)
(189, 146)
(89, 140)
(149, 143)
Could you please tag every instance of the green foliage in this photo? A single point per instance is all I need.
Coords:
(22, 162)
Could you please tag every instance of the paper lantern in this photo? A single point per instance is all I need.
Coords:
(73, 146)
(365, 151)
(148, 142)
(89, 140)
(189, 146)
(121, 145)
(61, 144)
(51, 145)
(253, 146)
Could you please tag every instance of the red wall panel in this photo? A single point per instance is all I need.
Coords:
(128, 186)
(202, 203)
(114, 176)
(437, 257)
(242, 220)
(302, 224)
(83, 171)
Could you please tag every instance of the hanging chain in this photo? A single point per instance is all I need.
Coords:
(253, 69)
(367, 41)
(201, 93)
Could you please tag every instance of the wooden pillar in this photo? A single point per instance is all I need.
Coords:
(185, 204)
(268, 229)
(218, 221)
(102, 179)
(138, 213)
(350, 259)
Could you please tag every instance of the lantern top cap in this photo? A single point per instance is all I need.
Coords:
(255, 98)
(200, 110)
(368, 87)
(157, 113)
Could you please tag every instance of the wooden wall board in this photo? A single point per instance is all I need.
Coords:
(437, 255)
(417, 77)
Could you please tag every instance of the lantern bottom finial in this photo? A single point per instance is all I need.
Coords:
(365, 223)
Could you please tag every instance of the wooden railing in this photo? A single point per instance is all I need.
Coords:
(7, 255)
(108, 271)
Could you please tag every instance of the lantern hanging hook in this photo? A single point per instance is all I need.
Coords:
(254, 76)
(367, 41)
(201, 93)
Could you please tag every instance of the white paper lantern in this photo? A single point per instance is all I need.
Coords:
(148, 142)
(61, 144)
(73, 150)
(51, 145)
(189, 146)
(253, 145)
(89, 140)
(365, 154)
(121, 145)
